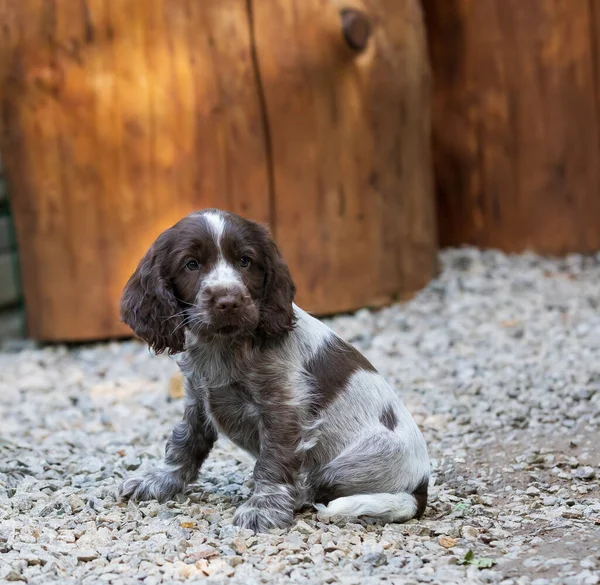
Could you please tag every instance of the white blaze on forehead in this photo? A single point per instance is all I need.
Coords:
(217, 225)
(223, 274)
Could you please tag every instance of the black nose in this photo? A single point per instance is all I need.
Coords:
(228, 302)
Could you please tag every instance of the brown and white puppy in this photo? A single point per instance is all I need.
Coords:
(324, 426)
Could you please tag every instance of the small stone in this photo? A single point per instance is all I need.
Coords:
(188, 571)
(238, 545)
(227, 551)
(218, 566)
(228, 531)
(86, 555)
(447, 541)
(469, 533)
(376, 559)
(47, 510)
(213, 518)
(33, 560)
(132, 463)
(446, 530)
(66, 535)
(417, 530)
(532, 491)
(585, 393)
(90, 465)
(270, 551)
(304, 528)
(585, 472)
(76, 503)
(202, 552)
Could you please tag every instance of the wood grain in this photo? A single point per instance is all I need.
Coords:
(516, 123)
(117, 119)
(349, 136)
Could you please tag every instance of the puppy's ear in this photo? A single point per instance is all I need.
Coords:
(149, 306)
(277, 313)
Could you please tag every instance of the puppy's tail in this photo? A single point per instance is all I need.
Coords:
(389, 507)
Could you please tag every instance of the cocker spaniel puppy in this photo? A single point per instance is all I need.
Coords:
(325, 428)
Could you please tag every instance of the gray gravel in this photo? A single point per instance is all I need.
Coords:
(498, 359)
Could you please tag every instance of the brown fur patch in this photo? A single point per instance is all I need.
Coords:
(388, 418)
(331, 368)
(420, 494)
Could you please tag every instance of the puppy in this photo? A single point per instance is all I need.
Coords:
(324, 426)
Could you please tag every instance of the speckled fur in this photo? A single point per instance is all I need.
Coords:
(324, 426)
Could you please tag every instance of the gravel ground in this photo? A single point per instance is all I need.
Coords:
(499, 361)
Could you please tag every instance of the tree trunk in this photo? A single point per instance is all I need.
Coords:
(350, 143)
(118, 118)
(515, 123)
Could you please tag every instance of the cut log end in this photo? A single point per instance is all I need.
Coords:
(357, 28)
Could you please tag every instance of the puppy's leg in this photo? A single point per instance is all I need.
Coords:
(382, 475)
(275, 474)
(188, 447)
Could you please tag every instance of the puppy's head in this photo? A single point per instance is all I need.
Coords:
(214, 273)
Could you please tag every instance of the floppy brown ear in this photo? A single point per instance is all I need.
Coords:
(277, 313)
(149, 306)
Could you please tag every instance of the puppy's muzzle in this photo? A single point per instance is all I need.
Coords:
(230, 309)
(227, 302)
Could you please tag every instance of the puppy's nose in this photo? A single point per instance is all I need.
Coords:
(228, 302)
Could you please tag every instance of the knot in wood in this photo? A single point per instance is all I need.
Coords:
(357, 28)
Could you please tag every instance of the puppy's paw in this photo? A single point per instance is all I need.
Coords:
(259, 514)
(160, 484)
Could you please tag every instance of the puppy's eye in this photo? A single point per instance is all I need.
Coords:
(192, 265)
(245, 262)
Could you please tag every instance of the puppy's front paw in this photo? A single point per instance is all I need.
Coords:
(259, 514)
(160, 484)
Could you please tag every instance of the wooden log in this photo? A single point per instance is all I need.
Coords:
(347, 89)
(120, 117)
(515, 121)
